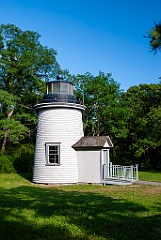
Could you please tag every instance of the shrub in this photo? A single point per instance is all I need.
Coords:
(23, 158)
(6, 164)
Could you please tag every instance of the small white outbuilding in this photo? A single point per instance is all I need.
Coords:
(93, 153)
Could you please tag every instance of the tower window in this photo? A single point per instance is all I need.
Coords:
(53, 153)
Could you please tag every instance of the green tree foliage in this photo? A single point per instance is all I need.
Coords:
(144, 124)
(25, 65)
(132, 118)
(101, 95)
(154, 34)
(11, 128)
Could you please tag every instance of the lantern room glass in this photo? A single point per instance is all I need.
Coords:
(60, 87)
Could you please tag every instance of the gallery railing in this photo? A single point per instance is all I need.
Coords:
(120, 172)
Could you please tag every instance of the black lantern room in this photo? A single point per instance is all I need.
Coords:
(59, 91)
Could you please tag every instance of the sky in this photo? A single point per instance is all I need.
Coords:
(94, 35)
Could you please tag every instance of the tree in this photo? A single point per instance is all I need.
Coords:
(154, 34)
(25, 66)
(24, 62)
(10, 128)
(144, 124)
(102, 98)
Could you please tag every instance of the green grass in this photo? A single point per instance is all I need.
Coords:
(90, 212)
(150, 176)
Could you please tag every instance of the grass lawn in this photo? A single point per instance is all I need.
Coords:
(37, 212)
(150, 176)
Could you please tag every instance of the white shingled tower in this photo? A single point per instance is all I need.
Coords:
(59, 127)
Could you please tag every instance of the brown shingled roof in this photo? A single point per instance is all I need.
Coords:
(93, 142)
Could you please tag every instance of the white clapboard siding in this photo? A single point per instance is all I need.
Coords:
(58, 124)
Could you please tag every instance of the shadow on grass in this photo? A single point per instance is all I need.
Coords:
(27, 176)
(37, 213)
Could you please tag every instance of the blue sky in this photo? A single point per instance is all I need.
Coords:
(93, 35)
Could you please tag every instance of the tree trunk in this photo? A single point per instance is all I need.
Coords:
(3, 148)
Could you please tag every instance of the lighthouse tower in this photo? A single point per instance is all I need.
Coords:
(59, 127)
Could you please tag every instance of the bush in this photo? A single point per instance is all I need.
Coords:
(6, 164)
(23, 158)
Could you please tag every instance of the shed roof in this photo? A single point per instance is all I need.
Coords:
(93, 142)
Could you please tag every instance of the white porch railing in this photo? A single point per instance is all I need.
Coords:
(129, 173)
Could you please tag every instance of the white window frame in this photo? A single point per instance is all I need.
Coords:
(47, 147)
